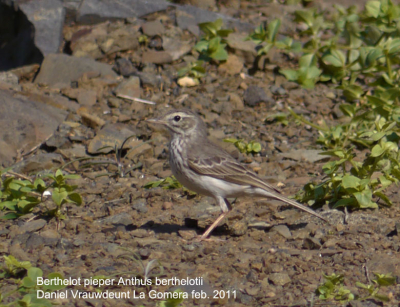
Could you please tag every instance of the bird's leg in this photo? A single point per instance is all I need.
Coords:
(226, 208)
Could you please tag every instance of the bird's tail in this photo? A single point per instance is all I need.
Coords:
(294, 204)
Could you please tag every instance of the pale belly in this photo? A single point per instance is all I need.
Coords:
(211, 186)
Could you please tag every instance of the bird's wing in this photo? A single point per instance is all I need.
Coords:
(219, 164)
(226, 168)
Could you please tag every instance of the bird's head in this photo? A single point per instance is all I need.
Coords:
(182, 123)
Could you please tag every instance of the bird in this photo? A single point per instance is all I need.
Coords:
(205, 168)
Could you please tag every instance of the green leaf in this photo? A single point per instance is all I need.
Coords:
(59, 173)
(75, 198)
(350, 181)
(224, 32)
(373, 8)
(335, 58)
(308, 60)
(53, 286)
(9, 216)
(39, 185)
(377, 150)
(377, 136)
(265, 49)
(11, 205)
(384, 280)
(348, 109)
(34, 273)
(172, 302)
(345, 202)
(273, 29)
(353, 92)
(384, 198)
(220, 54)
(72, 176)
(256, 147)
(59, 195)
(289, 74)
(213, 44)
(28, 282)
(201, 46)
(364, 199)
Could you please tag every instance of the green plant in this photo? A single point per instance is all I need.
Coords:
(194, 70)
(359, 43)
(350, 182)
(13, 268)
(333, 288)
(381, 280)
(265, 36)
(212, 44)
(278, 117)
(248, 148)
(143, 39)
(172, 302)
(28, 286)
(19, 197)
(63, 193)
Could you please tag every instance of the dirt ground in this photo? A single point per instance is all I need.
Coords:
(264, 254)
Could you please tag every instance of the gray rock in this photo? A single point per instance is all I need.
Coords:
(17, 38)
(140, 205)
(110, 135)
(283, 230)
(125, 67)
(242, 48)
(33, 226)
(37, 241)
(277, 90)
(9, 77)
(118, 219)
(63, 69)
(150, 80)
(311, 243)
(152, 28)
(129, 88)
(39, 162)
(95, 11)
(279, 279)
(157, 57)
(176, 47)
(187, 21)
(47, 17)
(24, 124)
(255, 95)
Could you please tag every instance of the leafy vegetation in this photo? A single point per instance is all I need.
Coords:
(19, 196)
(26, 278)
(194, 70)
(247, 148)
(333, 288)
(359, 44)
(212, 44)
(359, 53)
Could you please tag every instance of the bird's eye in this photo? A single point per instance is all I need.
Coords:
(177, 118)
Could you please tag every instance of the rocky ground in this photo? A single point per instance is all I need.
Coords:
(85, 98)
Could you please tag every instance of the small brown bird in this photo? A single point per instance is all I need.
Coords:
(207, 169)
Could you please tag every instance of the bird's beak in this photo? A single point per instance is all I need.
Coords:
(155, 121)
